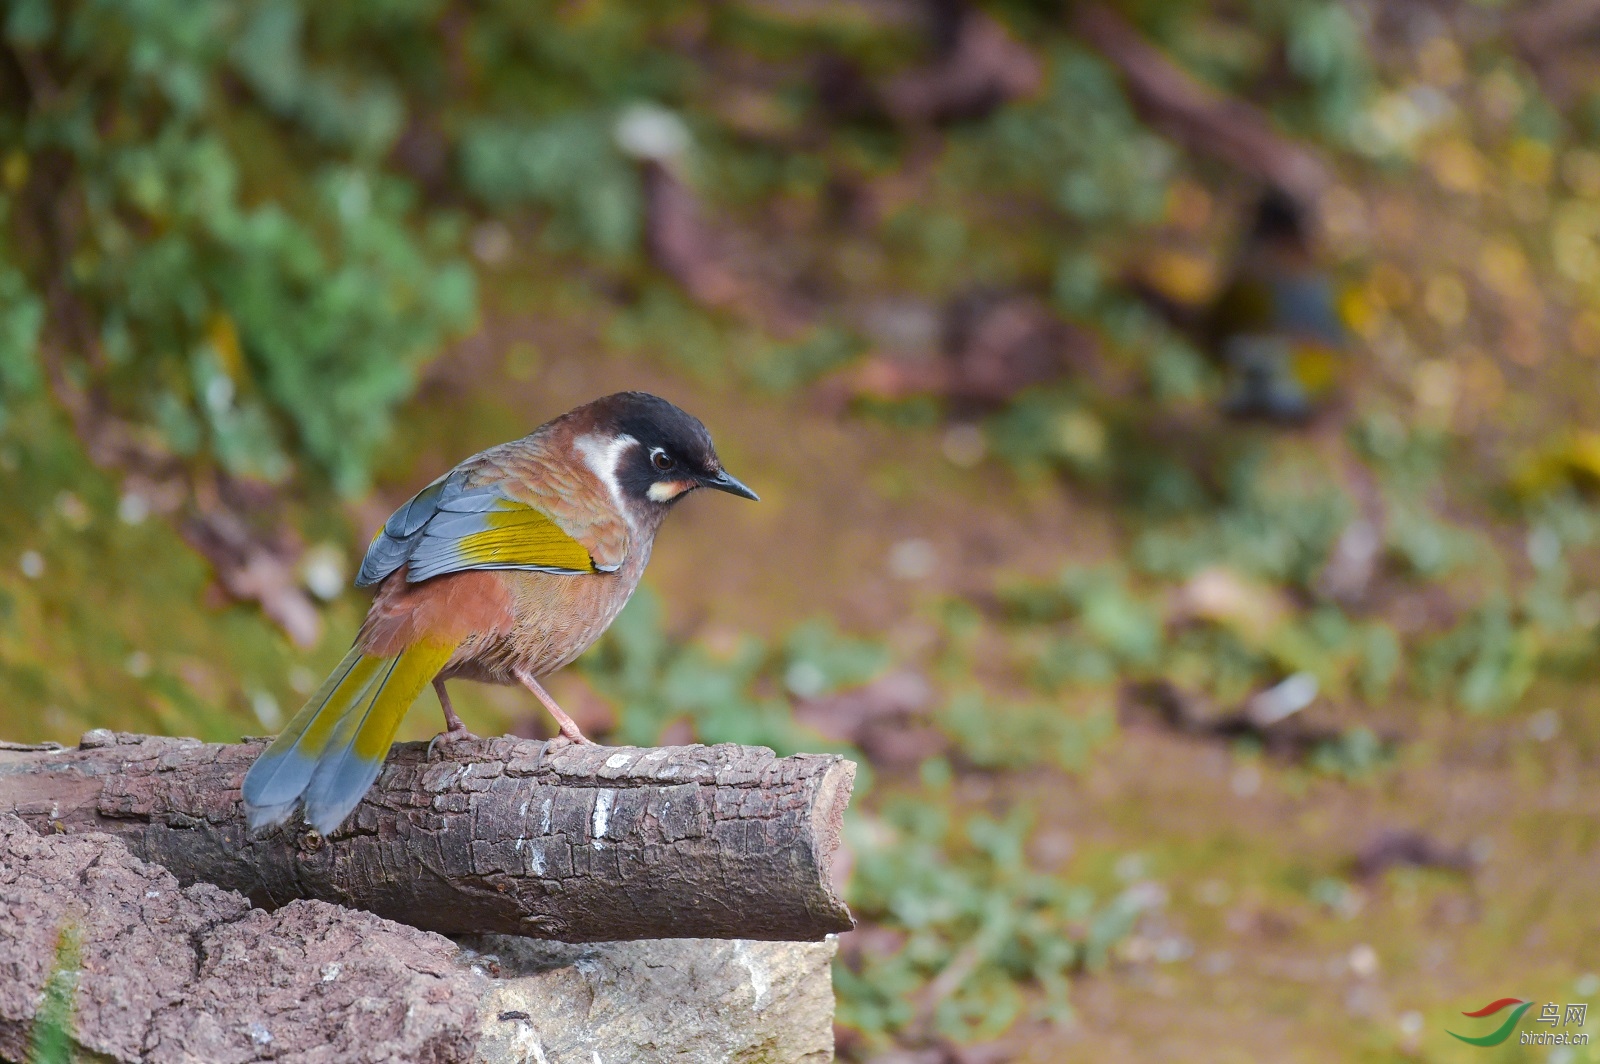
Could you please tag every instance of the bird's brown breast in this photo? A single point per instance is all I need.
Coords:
(506, 621)
(553, 619)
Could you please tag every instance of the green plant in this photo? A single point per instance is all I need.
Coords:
(995, 735)
(254, 312)
(979, 925)
(654, 679)
(52, 1041)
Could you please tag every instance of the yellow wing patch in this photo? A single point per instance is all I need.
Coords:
(523, 536)
(450, 526)
(490, 531)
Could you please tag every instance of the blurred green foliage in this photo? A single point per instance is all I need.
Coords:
(100, 616)
(568, 164)
(1308, 56)
(1008, 736)
(963, 893)
(246, 218)
(1078, 148)
(205, 205)
(654, 680)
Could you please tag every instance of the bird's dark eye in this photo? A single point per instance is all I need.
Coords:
(661, 460)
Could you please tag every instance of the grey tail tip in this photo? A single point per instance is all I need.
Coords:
(325, 826)
(260, 817)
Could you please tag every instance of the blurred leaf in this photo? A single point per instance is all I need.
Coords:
(1355, 754)
(1008, 736)
(569, 164)
(819, 660)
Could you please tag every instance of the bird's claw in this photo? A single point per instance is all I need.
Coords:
(448, 736)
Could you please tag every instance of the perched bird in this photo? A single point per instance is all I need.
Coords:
(503, 570)
(1276, 324)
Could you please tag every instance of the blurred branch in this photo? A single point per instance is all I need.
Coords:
(1539, 28)
(681, 242)
(1189, 714)
(1546, 34)
(1199, 117)
(994, 345)
(249, 566)
(980, 67)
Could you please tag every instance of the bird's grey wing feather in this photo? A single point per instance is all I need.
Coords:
(462, 522)
(397, 539)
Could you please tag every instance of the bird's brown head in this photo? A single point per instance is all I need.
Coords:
(650, 452)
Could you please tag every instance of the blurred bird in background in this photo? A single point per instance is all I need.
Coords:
(1275, 325)
(503, 570)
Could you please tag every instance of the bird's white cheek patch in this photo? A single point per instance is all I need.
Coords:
(603, 457)
(667, 490)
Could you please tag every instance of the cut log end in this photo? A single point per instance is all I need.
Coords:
(827, 828)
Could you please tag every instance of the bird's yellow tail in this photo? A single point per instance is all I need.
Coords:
(332, 750)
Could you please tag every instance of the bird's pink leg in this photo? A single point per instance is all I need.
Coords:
(454, 729)
(569, 727)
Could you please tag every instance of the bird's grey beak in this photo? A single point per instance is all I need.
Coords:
(730, 484)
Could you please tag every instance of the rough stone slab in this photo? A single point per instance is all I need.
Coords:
(737, 1001)
(171, 973)
(194, 974)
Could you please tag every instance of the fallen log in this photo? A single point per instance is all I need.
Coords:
(503, 835)
(105, 957)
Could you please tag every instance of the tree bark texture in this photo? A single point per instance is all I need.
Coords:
(567, 842)
(105, 957)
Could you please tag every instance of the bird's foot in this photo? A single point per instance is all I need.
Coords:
(456, 734)
(566, 737)
(576, 737)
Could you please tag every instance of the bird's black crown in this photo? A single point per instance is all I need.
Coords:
(674, 453)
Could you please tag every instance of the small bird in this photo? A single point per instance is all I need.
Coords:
(1276, 325)
(503, 570)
